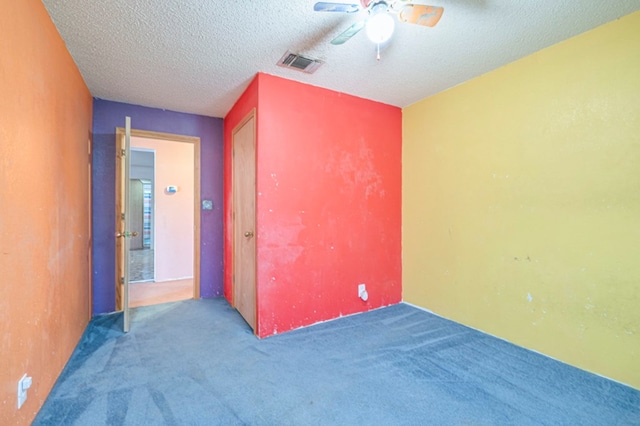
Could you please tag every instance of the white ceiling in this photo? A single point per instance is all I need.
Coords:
(198, 56)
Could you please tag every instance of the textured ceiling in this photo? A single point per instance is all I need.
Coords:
(198, 56)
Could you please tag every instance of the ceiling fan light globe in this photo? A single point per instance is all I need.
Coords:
(380, 27)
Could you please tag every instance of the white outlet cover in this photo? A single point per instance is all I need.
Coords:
(23, 384)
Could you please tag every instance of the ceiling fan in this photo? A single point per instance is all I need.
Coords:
(379, 24)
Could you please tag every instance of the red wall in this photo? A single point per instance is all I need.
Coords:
(246, 102)
(45, 127)
(329, 204)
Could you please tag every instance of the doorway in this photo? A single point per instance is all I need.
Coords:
(164, 201)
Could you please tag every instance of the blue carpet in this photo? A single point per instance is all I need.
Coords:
(196, 362)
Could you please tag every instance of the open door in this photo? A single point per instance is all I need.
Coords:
(244, 219)
(127, 264)
(123, 232)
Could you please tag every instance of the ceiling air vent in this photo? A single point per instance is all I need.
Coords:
(300, 63)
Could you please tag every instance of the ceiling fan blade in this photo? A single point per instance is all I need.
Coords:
(323, 6)
(420, 14)
(348, 33)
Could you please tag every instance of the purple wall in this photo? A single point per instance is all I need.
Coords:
(107, 116)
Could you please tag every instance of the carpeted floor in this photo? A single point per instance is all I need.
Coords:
(196, 362)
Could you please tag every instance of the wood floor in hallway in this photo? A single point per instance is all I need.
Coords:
(152, 293)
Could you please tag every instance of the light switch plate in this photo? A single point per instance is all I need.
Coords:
(24, 384)
(207, 205)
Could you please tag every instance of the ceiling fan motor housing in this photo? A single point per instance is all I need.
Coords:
(380, 25)
(373, 4)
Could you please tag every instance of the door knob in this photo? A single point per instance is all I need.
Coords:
(248, 234)
(126, 234)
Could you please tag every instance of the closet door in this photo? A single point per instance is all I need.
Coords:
(244, 220)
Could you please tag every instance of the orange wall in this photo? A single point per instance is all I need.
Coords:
(173, 227)
(328, 203)
(45, 124)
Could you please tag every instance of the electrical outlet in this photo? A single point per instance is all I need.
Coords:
(362, 292)
(24, 384)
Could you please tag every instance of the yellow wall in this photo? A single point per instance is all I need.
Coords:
(45, 126)
(521, 201)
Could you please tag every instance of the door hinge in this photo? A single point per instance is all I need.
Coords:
(123, 153)
(121, 216)
(122, 280)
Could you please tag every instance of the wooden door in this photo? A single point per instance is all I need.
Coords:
(244, 207)
(123, 233)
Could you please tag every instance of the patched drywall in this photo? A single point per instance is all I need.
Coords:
(45, 129)
(521, 199)
(328, 203)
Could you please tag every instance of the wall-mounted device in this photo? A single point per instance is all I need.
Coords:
(171, 189)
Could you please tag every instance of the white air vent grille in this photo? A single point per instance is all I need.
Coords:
(299, 63)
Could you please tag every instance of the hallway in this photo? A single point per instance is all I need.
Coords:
(143, 291)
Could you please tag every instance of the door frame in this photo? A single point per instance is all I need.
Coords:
(234, 204)
(90, 222)
(195, 140)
